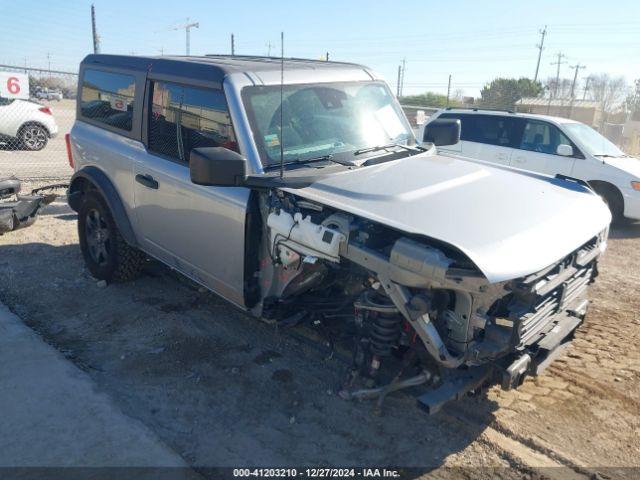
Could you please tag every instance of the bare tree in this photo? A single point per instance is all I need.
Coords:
(563, 88)
(609, 92)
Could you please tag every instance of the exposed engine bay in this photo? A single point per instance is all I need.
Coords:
(413, 311)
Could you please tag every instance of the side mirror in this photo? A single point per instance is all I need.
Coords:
(442, 132)
(217, 166)
(564, 150)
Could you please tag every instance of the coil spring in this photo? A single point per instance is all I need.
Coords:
(384, 333)
(385, 322)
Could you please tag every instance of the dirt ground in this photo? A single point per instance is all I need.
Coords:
(223, 389)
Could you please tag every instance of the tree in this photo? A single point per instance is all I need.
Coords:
(427, 99)
(503, 93)
(609, 92)
(633, 102)
(561, 88)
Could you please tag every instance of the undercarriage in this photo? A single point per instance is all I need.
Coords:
(414, 312)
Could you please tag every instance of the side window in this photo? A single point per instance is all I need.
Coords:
(183, 118)
(108, 98)
(542, 137)
(488, 129)
(493, 130)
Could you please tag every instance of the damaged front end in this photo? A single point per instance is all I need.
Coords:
(415, 312)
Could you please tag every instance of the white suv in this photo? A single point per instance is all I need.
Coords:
(549, 145)
(26, 124)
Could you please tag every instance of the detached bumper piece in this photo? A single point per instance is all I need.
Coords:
(19, 211)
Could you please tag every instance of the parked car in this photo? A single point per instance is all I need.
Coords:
(49, 95)
(26, 124)
(310, 202)
(549, 145)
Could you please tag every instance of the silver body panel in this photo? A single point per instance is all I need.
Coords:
(509, 224)
(197, 230)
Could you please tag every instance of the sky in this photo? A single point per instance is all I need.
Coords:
(473, 41)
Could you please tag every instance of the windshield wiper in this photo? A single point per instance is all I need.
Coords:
(384, 147)
(322, 158)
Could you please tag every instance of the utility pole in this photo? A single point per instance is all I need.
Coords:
(448, 90)
(269, 45)
(557, 63)
(96, 39)
(327, 57)
(49, 63)
(399, 79)
(576, 67)
(404, 68)
(540, 46)
(187, 28)
(575, 77)
(586, 88)
(233, 45)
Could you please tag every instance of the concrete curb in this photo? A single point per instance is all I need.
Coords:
(52, 415)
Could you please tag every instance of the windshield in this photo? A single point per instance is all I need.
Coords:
(592, 141)
(323, 119)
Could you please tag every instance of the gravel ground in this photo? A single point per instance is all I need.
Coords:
(223, 389)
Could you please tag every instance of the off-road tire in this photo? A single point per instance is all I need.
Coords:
(613, 198)
(33, 137)
(107, 255)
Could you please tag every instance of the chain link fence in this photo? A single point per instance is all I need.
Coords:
(37, 109)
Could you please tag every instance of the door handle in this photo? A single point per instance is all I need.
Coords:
(147, 180)
(520, 159)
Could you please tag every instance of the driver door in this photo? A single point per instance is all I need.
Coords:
(198, 230)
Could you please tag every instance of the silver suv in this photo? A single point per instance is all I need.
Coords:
(295, 190)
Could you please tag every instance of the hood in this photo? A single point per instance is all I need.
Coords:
(630, 165)
(509, 223)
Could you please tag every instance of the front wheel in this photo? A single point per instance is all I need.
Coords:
(34, 137)
(613, 199)
(107, 255)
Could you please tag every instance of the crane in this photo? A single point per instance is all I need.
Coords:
(187, 27)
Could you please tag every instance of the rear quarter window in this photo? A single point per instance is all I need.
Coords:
(108, 98)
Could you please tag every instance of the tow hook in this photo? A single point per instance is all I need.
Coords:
(514, 375)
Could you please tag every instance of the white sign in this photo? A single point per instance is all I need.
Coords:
(14, 85)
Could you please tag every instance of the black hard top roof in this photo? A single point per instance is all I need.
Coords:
(216, 67)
